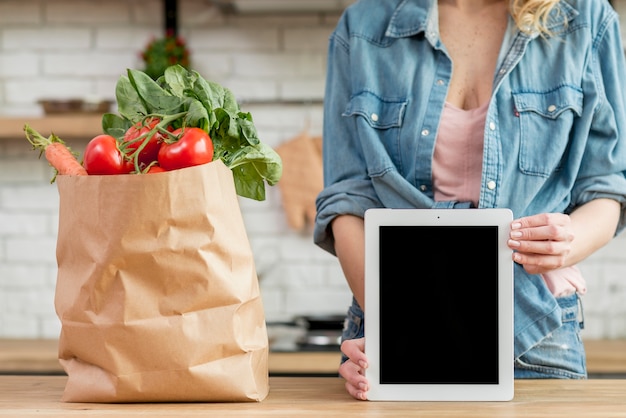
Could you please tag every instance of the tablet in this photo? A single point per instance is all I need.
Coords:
(439, 304)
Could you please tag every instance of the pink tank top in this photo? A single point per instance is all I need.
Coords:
(457, 175)
(458, 157)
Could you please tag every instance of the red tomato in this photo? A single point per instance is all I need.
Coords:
(155, 169)
(137, 135)
(102, 156)
(193, 147)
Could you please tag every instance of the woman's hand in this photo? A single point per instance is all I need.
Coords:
(549, 241)
(353, 370)
(542, 242)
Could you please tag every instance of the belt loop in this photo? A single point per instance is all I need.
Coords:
(581, 314)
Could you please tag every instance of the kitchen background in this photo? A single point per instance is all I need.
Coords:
(273, 61)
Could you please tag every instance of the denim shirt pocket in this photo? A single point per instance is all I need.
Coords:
(378, 112)
(379, 121)
(545, 119)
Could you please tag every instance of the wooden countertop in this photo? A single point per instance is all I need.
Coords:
(31, 396)
(606, 357)
(39, 356)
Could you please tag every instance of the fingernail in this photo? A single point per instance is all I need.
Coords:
(516, 234)
(516, 225)
(513, 243)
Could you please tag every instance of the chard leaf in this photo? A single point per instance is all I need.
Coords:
(115, 125)
(129, 103)
(177, 79)
(248, 183)
(266, 162)
(155, 98)
(210, 93)
(197, 115)
(247, 129)
(230, 103)
(225, 131)
(251, 166)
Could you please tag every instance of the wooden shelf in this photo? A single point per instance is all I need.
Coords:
(67, 126)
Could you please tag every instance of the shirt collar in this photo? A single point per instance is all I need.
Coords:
(412, 17)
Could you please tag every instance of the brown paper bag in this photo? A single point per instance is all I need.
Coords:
(157, 290)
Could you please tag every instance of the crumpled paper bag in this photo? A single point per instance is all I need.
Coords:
(157, 291)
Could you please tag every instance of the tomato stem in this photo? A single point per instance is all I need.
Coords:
(142, 140)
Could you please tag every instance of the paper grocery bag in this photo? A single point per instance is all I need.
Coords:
(157, 291)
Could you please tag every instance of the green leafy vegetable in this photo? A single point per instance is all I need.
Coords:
(182, 98)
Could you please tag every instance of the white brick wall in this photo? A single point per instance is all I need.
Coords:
(69, 48)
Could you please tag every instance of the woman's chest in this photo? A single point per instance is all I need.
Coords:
(473, 41)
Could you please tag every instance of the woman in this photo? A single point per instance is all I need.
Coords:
(480, 103)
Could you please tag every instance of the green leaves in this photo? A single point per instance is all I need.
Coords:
(184, 98)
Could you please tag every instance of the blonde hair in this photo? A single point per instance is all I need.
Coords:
(532, 15)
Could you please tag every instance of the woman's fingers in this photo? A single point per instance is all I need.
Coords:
(541, 242)
(353, 370)
(540, 219)
(547, 247)
(355, 351)
(356, 383)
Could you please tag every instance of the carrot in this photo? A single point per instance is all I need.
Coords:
(58, 154)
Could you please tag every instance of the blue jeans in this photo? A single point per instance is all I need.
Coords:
(560, 355)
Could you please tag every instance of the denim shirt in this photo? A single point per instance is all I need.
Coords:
(553, 133)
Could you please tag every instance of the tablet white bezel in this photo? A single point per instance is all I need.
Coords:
(503, 391)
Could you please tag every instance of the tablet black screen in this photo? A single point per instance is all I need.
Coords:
(438, 304)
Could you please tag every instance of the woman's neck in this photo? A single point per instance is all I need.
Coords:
(471, 6)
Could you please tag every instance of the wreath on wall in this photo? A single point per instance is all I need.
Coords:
(161, 53)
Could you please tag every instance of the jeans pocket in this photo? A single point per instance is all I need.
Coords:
(560, 354)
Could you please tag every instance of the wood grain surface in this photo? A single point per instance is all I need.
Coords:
(67, 126)
(36, 396)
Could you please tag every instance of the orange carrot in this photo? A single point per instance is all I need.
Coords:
(59, 155)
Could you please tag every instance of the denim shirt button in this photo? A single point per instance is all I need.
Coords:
(423, 187)
(440, 82)
(374, 117)
(551, 108)
(491, 185)
(425, 132)
(502, 71)
(492, 126)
